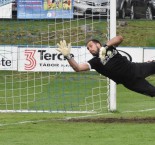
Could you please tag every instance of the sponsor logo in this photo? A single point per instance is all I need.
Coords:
(31, 61)
(128, 56)
(43, 60)
(50, 56)
(8, 58)
(5, 62)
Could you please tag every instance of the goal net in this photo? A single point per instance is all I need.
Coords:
(34, 77)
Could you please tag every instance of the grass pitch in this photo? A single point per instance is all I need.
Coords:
(48, 131)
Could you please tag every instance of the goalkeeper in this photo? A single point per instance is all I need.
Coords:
(110, 63)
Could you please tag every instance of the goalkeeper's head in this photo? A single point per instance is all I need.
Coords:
(93, 45)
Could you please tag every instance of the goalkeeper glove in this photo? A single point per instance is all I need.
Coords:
(102, 53)
(64, 49)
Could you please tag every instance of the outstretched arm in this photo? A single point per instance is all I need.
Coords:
(78, 67)
(115, 41)
(65, 50)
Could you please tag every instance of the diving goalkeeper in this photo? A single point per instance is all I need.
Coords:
(110, 63)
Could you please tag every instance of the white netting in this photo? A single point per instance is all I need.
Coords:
(46, 89)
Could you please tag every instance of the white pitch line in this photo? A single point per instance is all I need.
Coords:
(22, 122)
(144, 110)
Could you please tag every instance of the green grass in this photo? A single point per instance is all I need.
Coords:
(23, 32)
(138, 33)
(55, 129)
(45, 32)
(78, 133)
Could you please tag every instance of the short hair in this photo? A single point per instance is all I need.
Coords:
(93, 40)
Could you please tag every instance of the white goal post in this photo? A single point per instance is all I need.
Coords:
(112, 97)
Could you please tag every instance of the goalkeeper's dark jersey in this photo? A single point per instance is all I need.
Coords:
(122, 71)
(118, 68)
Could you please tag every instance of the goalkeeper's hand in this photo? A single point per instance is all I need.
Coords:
(102, 53)
(63, 48)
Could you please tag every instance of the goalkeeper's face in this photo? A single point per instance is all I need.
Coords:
(93, 48)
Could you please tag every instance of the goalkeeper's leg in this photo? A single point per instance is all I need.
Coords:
(145, 69)
(142, 86)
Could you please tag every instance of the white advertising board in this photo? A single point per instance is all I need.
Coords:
(8, 58)
(6, 11)
(48, 59)
(136, 53)
(149, 54)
